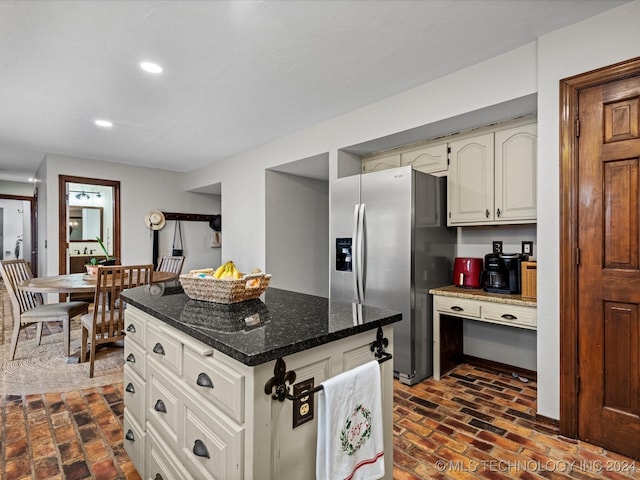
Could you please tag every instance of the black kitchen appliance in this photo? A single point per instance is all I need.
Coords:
(502, 272)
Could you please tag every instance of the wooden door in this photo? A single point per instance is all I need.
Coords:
(609, 266)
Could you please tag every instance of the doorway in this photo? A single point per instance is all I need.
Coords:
(88, 208)
(18, 224)
(600, 258)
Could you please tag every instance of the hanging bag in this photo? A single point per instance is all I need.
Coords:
(177, 240)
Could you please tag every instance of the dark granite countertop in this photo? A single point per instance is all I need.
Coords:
(257, 331)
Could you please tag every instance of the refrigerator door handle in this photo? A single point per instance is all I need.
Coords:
(354, 253)
(361, 246)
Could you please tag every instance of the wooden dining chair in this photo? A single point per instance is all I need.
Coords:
(170, 264)
(106, 323)
(29, 308)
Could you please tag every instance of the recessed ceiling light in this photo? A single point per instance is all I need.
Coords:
(151, 67)
(103, 123)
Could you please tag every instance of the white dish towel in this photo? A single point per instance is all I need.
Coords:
(350, 439)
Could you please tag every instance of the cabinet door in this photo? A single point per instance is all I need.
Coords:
(381, 163)
(470, 181)
(429, 159)
(516, 173)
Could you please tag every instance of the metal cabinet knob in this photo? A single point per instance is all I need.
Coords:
(486, 213)
(158, 477)
(508, 316)
(204, 380)
(131, 358)
(130, 388)
(498, 212)
(131, 328)
(158, 348)
(160, 407)
(200, 449)
(129, 436)
(456, 308)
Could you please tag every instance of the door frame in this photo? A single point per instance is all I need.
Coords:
(62, 215)
(569, 256)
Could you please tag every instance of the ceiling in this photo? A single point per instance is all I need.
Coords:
(237, 74)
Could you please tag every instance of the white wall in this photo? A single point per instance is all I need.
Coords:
(141, 190)
(477, 241)
(599, 41)
(16, 188)
(503, 78)
(297, 229)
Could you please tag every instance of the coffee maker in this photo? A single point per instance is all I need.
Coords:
(502, 272)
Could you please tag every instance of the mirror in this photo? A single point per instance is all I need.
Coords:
(85, 223)
(81, 198)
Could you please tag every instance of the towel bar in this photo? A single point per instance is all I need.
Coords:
(281, 377)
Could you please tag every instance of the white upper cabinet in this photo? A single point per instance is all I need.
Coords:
(516, 167)
(382, 162)
(492, 177)
(428, 159)
(470, 182)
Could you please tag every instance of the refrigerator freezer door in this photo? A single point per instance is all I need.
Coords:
(345, 198)
(387, 197)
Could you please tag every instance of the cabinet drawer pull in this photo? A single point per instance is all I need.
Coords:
(498, 213)
(508, 316)
(130, 388)
(159, 349)
(204, 380)
(129, 436)
(131, 358)
(486, 213)
(200, 449)
(160, 407)
(158, 477)
(131, 328)
(456, 308)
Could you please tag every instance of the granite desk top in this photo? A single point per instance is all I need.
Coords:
(258, 331)
(480, 294)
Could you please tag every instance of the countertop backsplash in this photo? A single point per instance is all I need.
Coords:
(477, 241)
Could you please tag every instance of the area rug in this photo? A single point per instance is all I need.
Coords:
(43, 368)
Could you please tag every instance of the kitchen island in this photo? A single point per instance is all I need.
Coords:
(205, 383)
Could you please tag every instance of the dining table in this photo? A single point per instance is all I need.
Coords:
(78, 282)
(84, 283)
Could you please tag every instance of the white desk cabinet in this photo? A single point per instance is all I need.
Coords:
(508, 310)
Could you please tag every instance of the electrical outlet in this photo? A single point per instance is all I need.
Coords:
(303, 408)
(527, 248)
(497, 246)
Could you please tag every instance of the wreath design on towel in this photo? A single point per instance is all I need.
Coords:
(356, 430)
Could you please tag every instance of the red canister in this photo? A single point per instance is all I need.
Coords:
(467, 272)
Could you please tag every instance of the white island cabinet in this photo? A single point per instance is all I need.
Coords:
(193, 411)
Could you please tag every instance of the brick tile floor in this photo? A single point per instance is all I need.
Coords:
(472, 424)
(479, 424)
(73, 436)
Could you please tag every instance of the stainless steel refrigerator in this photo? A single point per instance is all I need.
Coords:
(391, 245)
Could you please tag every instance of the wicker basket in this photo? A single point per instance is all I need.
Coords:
(225, 318)
(212, 289)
